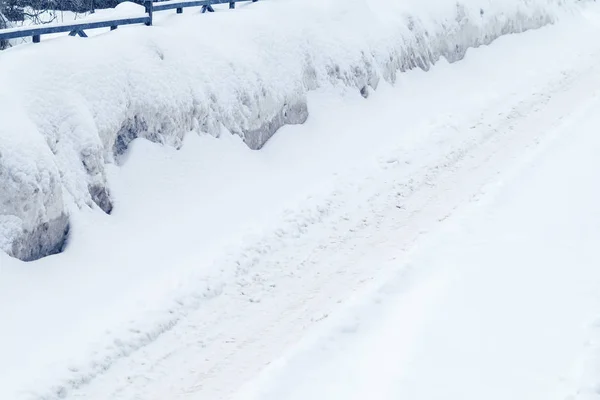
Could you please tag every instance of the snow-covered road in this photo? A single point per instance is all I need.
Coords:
(437, 240)
(503, 302)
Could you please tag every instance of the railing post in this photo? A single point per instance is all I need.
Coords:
(149, 9)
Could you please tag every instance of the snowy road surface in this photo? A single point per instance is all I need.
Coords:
(501, 303)
(437, 240)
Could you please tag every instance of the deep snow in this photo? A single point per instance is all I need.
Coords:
(217, 258)
(70, 106)
(501, 303)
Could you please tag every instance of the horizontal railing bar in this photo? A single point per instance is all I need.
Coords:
(47, 29)
(38, 30)
(208, 2)
(171, 4)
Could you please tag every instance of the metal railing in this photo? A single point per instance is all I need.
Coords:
(79, 27)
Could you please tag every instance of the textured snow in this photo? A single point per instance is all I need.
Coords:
(81, 102)
(32, 216)
(216, 257)
(500, 302)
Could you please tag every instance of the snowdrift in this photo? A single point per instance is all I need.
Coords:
(69, 106)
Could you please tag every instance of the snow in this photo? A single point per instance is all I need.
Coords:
(27, 185)
(88, 99)
(501, 303)
(217, 259)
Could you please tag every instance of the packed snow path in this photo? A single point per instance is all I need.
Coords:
(459, 211)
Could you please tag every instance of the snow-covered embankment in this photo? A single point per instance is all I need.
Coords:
(69, 106)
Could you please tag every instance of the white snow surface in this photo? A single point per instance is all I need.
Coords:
(74, 105)
(500, 302)
(443, 230)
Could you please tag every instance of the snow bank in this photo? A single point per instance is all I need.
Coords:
(69, 106)
(33, 221)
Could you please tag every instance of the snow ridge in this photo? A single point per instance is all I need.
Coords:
(81, 111)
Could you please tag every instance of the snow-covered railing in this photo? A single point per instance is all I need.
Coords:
(179, 5)
(79, 28)
(74, 28)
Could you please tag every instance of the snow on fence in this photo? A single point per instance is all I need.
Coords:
(79, 28)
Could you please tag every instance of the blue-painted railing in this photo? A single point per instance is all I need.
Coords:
(79, 28)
